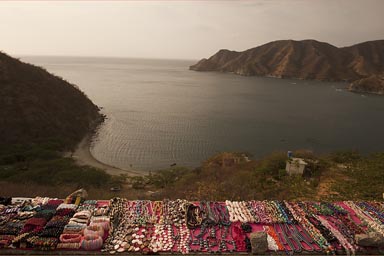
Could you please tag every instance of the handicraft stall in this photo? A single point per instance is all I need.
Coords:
(179, 226)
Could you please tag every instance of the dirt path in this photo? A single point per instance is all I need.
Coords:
(83, 156)
(327, 180)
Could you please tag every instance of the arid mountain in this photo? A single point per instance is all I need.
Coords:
(307, 59)
(366, 58)
(36, 106)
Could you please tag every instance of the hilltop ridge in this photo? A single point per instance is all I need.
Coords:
(306, 59)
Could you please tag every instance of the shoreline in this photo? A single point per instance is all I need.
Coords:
(83, 156)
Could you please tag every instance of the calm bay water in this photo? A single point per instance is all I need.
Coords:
(160, 113)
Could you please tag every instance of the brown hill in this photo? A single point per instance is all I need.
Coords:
(372, 84)
(36, 106)
(307, 59)
(367, 58)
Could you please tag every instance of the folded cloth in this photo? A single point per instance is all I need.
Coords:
(51, 232)
(74, 229)
(80, 221)
(94, 230)
(67, 206)
(12, 228)
(103, 221)
(70, 238)
(100, 219)
(36, 221)
(46, 214)
(65, 212)
(53, 203)
(44, 243)
(101, 211)
(72, 246)
(40, 200)
(75, 226)
(57, 223)
(82, 215)
(92, 242)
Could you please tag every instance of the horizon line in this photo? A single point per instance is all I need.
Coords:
(95, 56)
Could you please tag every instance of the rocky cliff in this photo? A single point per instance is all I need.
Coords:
(307, 59)
(36, 106)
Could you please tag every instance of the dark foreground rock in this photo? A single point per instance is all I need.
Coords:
(259, 243)
(372, 239)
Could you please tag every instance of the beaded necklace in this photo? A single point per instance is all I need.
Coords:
(343, 241)
(372, 211)
(290, 244)
(162, 239)
(194, 218)
(296, 239)
(260, 211)
(365, 218)
(252, 212)
(211, 237)
(222, 212)
(157, 211)
(231, 211)
(283, 215)
(182, 241)
(299, 215)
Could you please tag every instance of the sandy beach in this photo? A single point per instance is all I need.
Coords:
(83, 156)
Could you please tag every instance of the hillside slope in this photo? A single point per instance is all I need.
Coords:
(36, 106)
(307, 59)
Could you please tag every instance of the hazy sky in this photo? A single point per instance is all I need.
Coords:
(180, 29)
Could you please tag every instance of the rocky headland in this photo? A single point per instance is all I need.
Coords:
(360, 64)
(371, 84)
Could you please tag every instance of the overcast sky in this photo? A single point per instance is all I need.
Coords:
(180, 29)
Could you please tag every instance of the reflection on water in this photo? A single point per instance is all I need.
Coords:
(161, 113)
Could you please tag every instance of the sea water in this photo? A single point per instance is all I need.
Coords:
(160, 113)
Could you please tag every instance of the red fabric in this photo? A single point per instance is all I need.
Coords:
(239, 237)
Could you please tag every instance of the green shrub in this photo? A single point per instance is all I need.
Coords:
(138, 182)
(345, 156)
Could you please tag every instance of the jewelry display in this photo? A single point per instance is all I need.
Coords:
(180, 226)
